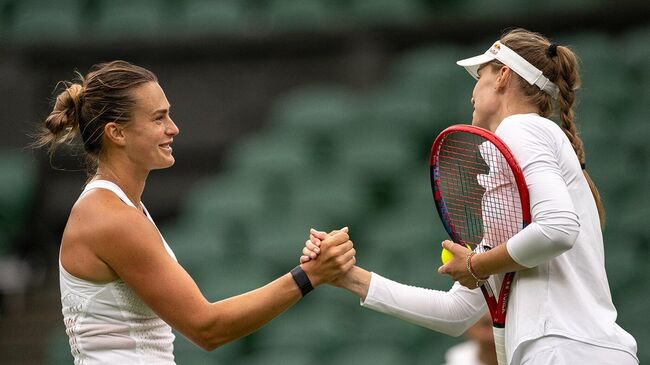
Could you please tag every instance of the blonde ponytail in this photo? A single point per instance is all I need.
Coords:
(560, 65)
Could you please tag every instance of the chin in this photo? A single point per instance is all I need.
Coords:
(165, 165)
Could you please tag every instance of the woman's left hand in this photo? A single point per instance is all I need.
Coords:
(457, 266)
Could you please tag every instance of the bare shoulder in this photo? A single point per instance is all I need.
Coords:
(99, 227)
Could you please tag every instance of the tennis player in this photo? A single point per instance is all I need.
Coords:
(122, 289)
(560, 309)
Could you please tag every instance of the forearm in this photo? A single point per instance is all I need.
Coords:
(450, 312)
(494, 261)
(356, 281)
(241, 315)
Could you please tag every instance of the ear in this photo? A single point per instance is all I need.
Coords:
(503, 78)
(115, 133)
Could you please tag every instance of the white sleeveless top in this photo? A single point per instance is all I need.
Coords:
(108, 323)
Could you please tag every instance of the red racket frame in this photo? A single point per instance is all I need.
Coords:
(498, 307)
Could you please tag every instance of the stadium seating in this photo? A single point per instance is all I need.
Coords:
(215, 17)
(57, 351)
(42, 21)
(17, 185)
(283, 15)
(125, 19)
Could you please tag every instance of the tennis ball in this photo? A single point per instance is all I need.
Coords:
(446, 256)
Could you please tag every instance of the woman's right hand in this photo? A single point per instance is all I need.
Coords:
(336, 257)
(312, 245)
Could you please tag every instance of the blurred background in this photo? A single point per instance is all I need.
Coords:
(299, 114)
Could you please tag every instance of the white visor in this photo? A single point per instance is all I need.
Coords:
(510, 58)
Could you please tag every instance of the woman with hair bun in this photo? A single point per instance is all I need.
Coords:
(122, 289)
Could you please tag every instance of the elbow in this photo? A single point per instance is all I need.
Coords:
(565, 237)
(208, 335)
(561, 230)
(208, 341)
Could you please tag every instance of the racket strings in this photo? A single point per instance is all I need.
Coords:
(478, 188)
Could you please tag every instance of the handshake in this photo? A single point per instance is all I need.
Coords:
(327, 257)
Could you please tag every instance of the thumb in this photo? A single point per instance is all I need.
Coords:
(453, 247)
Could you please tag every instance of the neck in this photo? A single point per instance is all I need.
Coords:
(510, 110)
(131, 182)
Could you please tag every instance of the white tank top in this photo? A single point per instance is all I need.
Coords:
(108, 323)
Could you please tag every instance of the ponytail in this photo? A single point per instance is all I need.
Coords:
(560, 65)
(568, 81)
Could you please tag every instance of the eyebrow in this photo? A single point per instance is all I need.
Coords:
(161, 110)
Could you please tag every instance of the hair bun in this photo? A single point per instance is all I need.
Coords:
(76, 93)
(63, 121)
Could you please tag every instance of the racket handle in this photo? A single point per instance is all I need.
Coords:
(500, 345)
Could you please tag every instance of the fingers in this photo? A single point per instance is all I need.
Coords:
(314, 240)
(310, 250)
(304, 259)
(455, 248)
(318, 234)
(336, 239)
(349, 263)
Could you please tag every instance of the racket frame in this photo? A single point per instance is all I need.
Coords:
(497, 306)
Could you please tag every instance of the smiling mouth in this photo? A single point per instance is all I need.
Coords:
(166, 146)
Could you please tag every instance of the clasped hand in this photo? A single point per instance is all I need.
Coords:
(337, 256)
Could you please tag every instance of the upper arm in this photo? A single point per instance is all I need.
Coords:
(555, 224)
(131, 245)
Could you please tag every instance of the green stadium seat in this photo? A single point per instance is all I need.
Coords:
(186, 352)
(284, 356)
(269, 155)
(228, 276)
(385, 12)
(338, 196)
(208, 17)
(17, 188)
(278, 238)
(125, 19)
(46, 21)
(288, 15)
(319, 319)
(316, 116)
(370, 353)
(400, 114)
(619, 262)
(219, 211)
(57, 348)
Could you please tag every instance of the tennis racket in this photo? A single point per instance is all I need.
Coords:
(482, 199)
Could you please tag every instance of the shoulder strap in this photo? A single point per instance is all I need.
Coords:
(105, 184)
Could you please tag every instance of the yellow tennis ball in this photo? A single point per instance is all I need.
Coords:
(446, 256)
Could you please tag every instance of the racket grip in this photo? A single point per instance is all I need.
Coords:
(500, 345)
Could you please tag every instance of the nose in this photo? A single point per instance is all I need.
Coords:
(172, 129)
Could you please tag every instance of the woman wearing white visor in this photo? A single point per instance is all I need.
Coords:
(560, 309)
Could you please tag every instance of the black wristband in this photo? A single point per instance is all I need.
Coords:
(302, 280)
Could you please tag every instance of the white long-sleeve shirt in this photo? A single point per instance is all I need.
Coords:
(564, 291)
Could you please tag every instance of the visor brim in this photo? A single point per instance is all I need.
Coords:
(472, 64)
